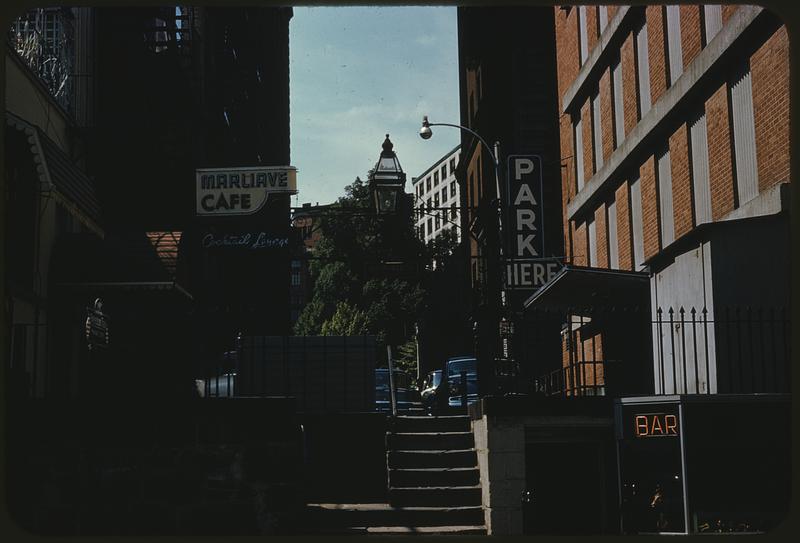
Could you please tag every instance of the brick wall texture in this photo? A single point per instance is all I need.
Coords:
(606, 123)
(591, 26)
(691, 37)
(567, 52)
(588, 146)
(580, 247)
(624, 241)
(681, 181)
(649, 190)
(656, 51)
(770, 79)
(769, 65)
(602, 236)
(629, 90)
(719, 153)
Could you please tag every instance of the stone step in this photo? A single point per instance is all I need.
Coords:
(430, 441)
(435, 496)
(459, 423)
(411, 459)
(434, 477)
(362, 516)
(427, 530)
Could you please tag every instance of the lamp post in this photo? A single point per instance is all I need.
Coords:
(505, 328)
(387, 180)
(386, 183)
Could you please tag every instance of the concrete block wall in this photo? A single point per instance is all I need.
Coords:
(500, 445)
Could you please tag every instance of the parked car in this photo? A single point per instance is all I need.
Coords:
(455, 366)
(431, 391)
(406, 395)
(216, 387)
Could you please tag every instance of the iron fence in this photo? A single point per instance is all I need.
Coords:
(323, 373)
(731, 349)
(727, 350)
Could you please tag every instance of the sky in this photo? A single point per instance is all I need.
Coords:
(358, 73)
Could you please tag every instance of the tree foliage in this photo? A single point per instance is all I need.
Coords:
(356, 291)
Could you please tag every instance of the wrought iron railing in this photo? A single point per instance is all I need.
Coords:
(44, 39)
(732, 350)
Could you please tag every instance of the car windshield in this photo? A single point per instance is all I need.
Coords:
(436, 378)
(455, 367)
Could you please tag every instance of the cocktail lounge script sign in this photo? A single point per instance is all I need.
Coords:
(241, 191)
(248, 240)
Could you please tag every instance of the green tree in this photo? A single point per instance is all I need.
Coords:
(355, 291)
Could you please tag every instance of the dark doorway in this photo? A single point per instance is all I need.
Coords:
(566, 486)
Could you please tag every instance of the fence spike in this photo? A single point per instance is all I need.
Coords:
(694, 311)
(671, 311)
(681, 311)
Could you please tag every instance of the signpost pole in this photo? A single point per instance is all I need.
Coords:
(391, 380)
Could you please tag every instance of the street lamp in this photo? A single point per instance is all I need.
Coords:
(426, 133)
(387, 180)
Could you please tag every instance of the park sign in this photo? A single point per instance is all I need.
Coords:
(527, 265)
(241, 191)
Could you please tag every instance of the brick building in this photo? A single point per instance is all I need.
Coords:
(673, 301)
(675, 171)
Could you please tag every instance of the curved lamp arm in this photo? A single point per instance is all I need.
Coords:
(464, 128)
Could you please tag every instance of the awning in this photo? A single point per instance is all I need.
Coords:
(146, 262)
(58, 175)
(580, 287)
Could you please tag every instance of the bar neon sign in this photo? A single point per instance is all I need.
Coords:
(656, 425)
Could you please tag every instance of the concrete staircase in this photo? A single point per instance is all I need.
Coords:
(434, 484)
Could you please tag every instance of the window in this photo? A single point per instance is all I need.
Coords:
(613, 240)
(452, 189)
(618, 105)
(578, 125)
(430, 227)
(591, 228)
(712, 22)
(436, 200)
(444, 171)
(295, 279)
(701, 186)
(584, 35)
(664, 181)
(438, 223)
(428, 184)
(295, 264)
(675, 54)
(452, 165)
(642, 69)
(637, 229)
(744, 133)
(435, 179)
(444, 194)
(452, 212)
(597, 132)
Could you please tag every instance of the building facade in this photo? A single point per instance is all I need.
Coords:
(675, 155)
(436, 188)
(507, 71)
(675, 184)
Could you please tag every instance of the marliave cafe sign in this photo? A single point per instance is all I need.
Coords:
(241, 191)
